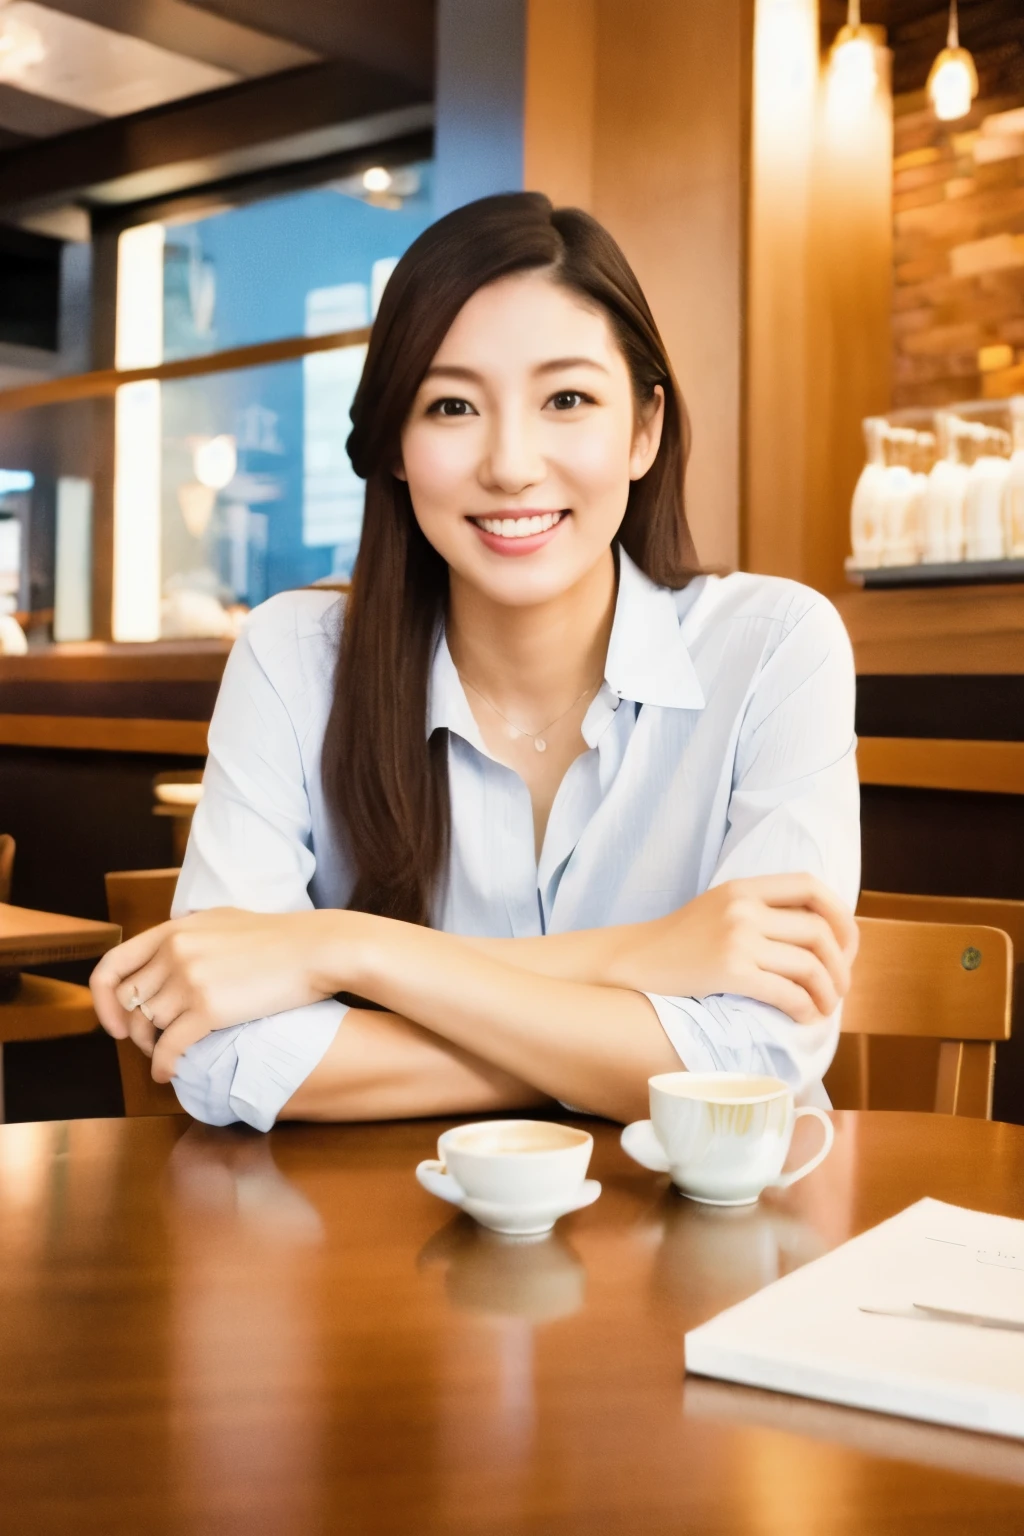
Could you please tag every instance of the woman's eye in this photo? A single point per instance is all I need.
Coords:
(569, 399)
(450, 407)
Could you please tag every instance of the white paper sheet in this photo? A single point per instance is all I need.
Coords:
(806, 1334)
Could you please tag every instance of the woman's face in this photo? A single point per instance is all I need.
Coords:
(523, 439)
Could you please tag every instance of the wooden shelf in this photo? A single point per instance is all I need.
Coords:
(922, 630)
(962, 573)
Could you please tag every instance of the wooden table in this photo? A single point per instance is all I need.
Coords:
(28, 937)
(217, 1332)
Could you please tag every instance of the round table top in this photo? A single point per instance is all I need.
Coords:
(215, 1331)
(28, 937)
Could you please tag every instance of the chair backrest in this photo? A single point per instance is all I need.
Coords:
(941, 981)
(139, 899)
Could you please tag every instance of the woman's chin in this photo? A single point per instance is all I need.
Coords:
(523, 583)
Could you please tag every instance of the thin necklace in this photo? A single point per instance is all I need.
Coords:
(515, 731)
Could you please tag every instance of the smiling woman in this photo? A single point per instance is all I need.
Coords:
(566, 811)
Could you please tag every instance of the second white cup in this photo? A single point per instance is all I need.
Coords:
(723, 1136)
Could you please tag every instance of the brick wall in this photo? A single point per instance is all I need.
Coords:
(958, 295)
(958, 208)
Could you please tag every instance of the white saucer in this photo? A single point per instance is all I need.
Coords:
(515, 1221)
(528, 1221)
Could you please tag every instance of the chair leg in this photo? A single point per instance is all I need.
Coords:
(864, 1071)
(966, 1075)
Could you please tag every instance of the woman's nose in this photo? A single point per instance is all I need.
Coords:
(513, 460)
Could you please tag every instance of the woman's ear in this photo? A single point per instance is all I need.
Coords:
(647, 435)
(398, 470)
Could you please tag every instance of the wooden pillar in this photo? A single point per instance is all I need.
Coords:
(639, 114)
(819, 275)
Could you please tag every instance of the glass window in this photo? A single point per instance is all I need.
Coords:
(246, 274)
(232, 486)
(48, 459)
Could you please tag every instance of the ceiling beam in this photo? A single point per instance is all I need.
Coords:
(193, 31)
(39, 117)
(301, 115)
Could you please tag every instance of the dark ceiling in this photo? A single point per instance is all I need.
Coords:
(243, 38)
(993, 30)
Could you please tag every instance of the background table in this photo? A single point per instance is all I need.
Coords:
(28, 937)
(213, 1331)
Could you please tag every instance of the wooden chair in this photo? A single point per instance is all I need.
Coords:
(36, 1007)
(138, 899)
(946, 983)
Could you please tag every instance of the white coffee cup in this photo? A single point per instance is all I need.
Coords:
(723, 1136)
(513, 1176)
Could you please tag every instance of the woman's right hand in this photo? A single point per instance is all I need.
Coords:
(784, 940)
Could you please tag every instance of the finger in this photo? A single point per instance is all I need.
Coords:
(140, 986)
(142, 1032)
(107, 1008)
(806, 890)
(174, 1042)
(167, 1005)
(798, 965)
(132, 955)
(786, 996)
(791, 925)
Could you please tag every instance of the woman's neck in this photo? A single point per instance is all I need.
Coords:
(533, 659)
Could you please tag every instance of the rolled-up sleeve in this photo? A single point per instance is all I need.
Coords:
(251, 846)
(794, 806)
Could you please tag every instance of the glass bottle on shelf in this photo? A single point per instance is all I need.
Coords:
(1013, 497)
(901, 500)
(866, 508)
(984, 534)
(942, 515)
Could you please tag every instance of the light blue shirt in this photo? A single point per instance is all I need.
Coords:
(720, 745)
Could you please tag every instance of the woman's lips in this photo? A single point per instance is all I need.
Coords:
(515, 542)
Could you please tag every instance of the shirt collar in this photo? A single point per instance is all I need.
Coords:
(647, 661)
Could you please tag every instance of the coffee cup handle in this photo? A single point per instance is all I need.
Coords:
(436, 1179)
(641, 1143)
(784, 1180)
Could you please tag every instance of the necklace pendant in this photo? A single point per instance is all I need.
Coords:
(539, 744)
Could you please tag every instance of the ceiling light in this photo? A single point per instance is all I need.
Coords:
(215, 461)
(377, 179)
(853, 71)
(93, 67)
(953, 81)
(21, 47)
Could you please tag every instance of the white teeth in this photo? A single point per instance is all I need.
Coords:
(518, 527)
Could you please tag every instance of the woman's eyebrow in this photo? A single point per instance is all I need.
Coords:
(558, 363)
(451, 371)
(470, 376)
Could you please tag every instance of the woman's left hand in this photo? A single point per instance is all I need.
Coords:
(168, 987)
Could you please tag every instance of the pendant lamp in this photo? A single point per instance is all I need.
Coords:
(953, 81)
(853, 70)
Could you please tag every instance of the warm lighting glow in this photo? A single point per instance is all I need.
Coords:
(853, 73)
(136, 614)
(953, 81)
(952, 84)
(139, 336)
(377, 179)
(20, 48)
(139, 343)
(215, 461)
(785, 55)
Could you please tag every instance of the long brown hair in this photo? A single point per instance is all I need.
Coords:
(386, 783)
